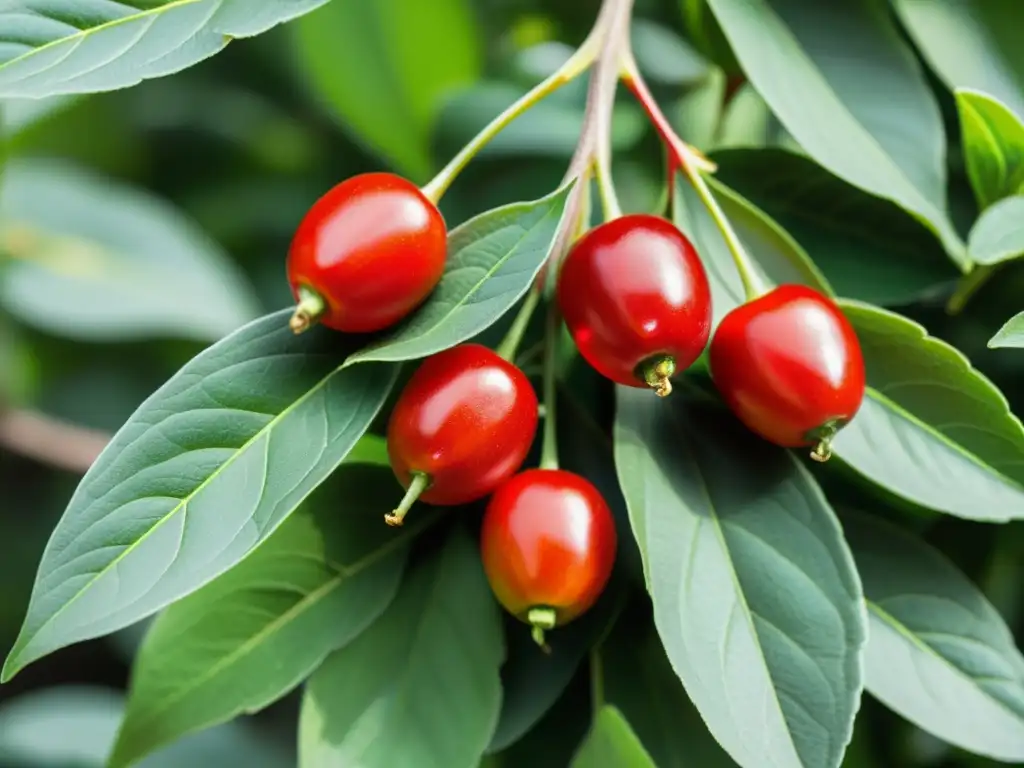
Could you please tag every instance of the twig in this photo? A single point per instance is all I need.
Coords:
(50, 441)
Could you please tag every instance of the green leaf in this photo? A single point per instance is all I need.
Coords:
(251, 635)
(492, 262)
(81, 46)
(93, 259)
(869, 248)
(993, 138)
(1011, 334)
(612, 744)
(204, 470)
(420, 686)
(971, 44)
(797, 57)
(998, 235)
(939, 653)
(384, 68)
(781, 258)
(932, 429)
(664, 57)
(756, 597)
(74, 726)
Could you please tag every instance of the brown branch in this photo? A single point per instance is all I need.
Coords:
(50, 441)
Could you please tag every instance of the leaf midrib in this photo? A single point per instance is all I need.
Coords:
(82, 34)
(183, 503)
(905, 632)
(343, 573)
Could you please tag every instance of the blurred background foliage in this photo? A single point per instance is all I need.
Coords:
(140, 225)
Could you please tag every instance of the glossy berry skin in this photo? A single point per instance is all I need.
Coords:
(373, 248)
(548, 541)
(467, 418)
(633, 291)
(789, 366)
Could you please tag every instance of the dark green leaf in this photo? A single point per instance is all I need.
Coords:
(780, 257)
(998, 234)
(797, 57)
(206, 469)
(638, 679)
(971, 44)
(612, 744)
(385, 66)
(755, 594)
(93, 259)
(939, 653)
(869, 248)
(251, 635)
(420, 686)
(993, 139)
(81, 46)
(932, 429)
(1011, 334)
(492, 262)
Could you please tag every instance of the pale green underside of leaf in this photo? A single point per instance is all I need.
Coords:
(971, 44)
(611, 743)
(932, 428)
(386, 66)
(251, 635)
(117, 262)
(797, 56)
(421, 685)
(939, 654)
(998, 235)
(492, 262)
(993, 138)
(1011, 334)
(203, 471)
(755, 594)
(81, 46)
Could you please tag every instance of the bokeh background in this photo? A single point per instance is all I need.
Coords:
(137, 227)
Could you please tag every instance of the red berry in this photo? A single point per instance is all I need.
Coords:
(636, 300)
(366, 254)
(790, 367)
(548, 545)
(462, 426)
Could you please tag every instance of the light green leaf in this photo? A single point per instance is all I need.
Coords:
(207, 468)
(664, 57)
(420, 686)
(971, 44)
(75, 725)
(993, 139)
(612, 744)
(869, 248)
(93, 259)
(384, 67)
(492, 262)
(998, 235)
(251, 635)
(1011, 334)
(756, 597)
(697, 113)
(797, 57)
(932, 429)
(779, 256)
(939, 654)
(81, 46)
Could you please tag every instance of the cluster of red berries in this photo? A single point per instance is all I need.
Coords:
(636, 299)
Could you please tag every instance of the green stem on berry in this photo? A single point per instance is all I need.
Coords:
(968, 286)
(310, 307)
(549, 443)
(574, 66)
(542, 619)
(510, 344)
(694, 165)
(419, 482)
(658, 373)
